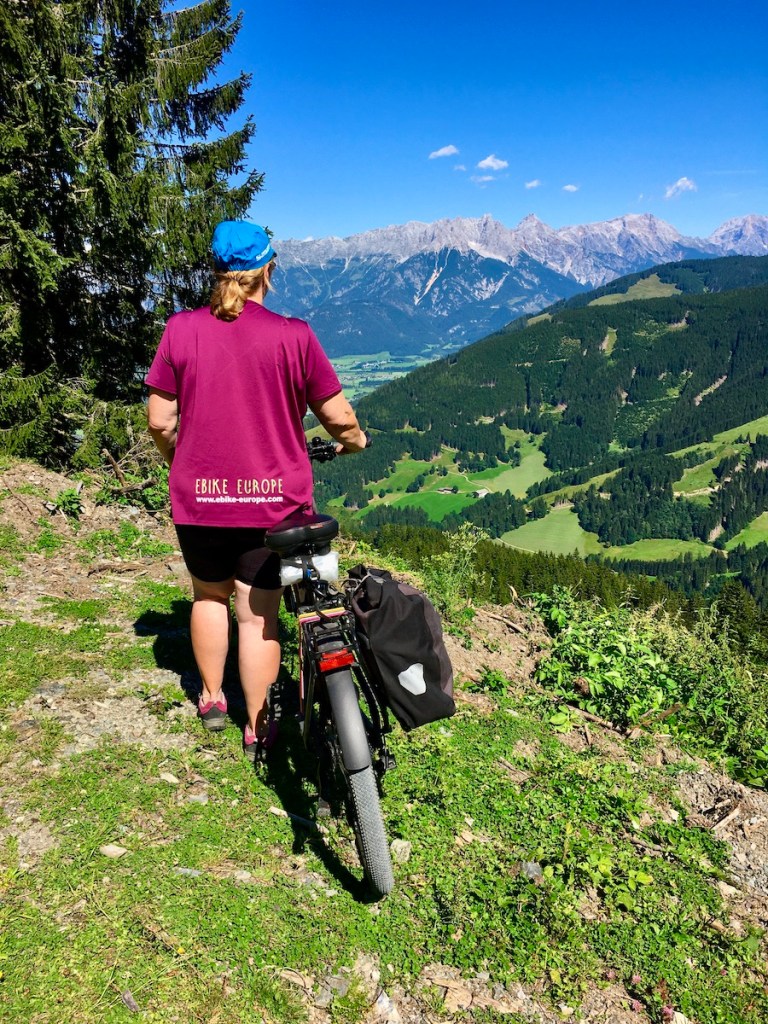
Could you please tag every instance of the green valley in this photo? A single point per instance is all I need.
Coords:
(363, 373)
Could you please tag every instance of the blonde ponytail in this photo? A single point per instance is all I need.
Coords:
(233, 288)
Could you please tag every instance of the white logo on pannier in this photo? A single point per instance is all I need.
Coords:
(412, 679)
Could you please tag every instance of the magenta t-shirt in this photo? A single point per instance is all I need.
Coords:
(243, 389)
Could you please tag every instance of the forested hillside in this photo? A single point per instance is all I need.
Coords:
(634, 374)
(689, 276)
(632, 422)
(599, 384)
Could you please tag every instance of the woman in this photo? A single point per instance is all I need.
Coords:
(228, 390)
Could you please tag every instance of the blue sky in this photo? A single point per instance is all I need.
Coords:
(573, 111)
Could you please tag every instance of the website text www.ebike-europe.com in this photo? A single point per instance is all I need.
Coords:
(248, 499)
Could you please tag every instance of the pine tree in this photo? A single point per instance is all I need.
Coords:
(157, 168)
(39, 239)
(115, 165)
(39, 236)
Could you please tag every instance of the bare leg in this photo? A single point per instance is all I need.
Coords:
(259, 648)
(209, 627)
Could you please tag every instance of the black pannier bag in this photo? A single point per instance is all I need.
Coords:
(401, 642)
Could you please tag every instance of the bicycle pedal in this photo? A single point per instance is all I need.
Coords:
(385, 763)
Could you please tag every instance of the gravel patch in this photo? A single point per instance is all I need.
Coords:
(736, 814)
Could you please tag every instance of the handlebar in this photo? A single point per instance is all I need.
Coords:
(319, 450)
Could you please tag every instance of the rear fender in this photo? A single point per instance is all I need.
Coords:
(342, 695)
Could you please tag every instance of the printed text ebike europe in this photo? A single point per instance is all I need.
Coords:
(222, 490)
(246, 486)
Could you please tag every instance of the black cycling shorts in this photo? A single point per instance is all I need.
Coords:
(217, 553)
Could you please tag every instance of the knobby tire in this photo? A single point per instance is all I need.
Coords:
(369, 830)
(363, 794)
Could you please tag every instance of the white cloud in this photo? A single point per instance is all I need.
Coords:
(680, 186)
(480, 179)
(460, 167)
(570, 188)
(445, 151)
(533, 184)
(492, 163)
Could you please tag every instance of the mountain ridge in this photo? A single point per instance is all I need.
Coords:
(430, 289)
(491, 239)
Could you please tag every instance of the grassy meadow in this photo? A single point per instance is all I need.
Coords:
(749, 430)
(701, 477)
(726, 442)
(651, 287)
(755, 533)
(437, 505)
(659, 549)
(558, 532)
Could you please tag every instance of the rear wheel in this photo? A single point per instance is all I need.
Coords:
(362, 787)
(369, 830)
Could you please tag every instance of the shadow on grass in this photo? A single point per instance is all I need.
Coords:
(289, 764)
(285, 772)
(171, 647)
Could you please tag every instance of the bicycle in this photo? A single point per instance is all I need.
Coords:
(349, 740)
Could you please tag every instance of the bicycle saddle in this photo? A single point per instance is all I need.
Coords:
(299, 530)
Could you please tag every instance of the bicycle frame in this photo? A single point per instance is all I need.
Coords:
(327, 643)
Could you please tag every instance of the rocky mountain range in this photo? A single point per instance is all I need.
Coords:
(433, 288)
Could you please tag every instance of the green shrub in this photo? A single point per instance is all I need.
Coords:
(68, 501)
(450, 577)
(491, 681)
(644, 667)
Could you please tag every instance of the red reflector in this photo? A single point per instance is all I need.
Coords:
(335, 659)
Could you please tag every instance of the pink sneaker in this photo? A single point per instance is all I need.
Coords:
(213, 715)
(256, 747)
